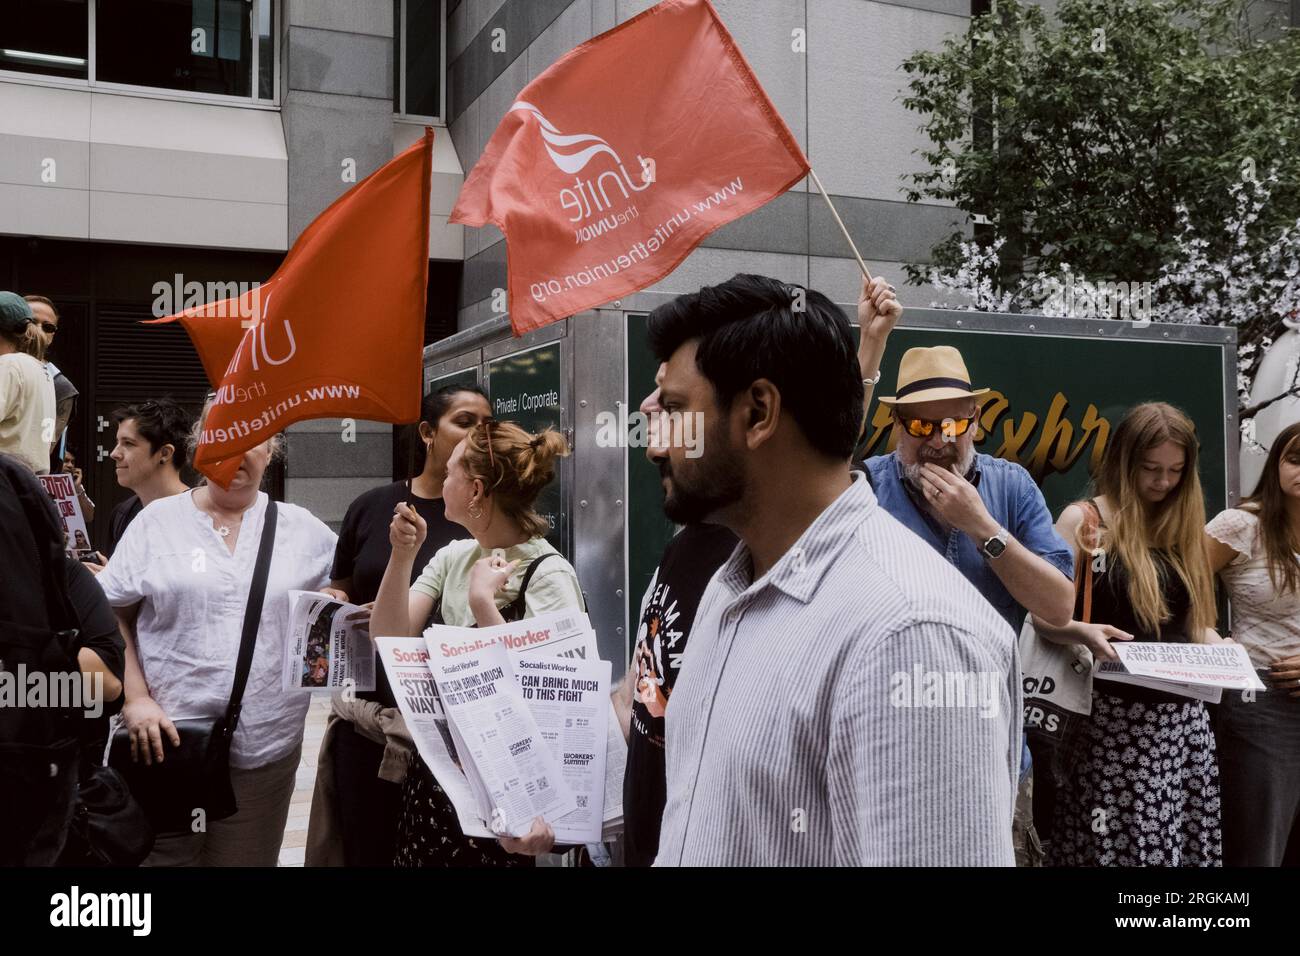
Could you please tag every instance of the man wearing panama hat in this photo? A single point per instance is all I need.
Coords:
(985, 515)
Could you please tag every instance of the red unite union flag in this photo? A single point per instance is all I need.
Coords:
(622, 157)
(337, 331)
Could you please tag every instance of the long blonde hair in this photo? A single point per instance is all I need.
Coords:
(1174, 527)
(30, 341)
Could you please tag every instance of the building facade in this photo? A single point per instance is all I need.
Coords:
(149, 144)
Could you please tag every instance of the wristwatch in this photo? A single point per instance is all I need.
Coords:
(994, 546)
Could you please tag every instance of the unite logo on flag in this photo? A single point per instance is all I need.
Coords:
(689, 143)
(593, 196)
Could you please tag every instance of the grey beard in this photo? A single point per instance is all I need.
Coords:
(964, 460)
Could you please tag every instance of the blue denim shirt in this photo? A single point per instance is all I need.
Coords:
(1012, 500)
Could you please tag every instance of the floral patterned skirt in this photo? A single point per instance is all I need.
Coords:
(429, 834)
(1144, 790)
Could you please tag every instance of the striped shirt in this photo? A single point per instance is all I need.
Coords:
(857, 705)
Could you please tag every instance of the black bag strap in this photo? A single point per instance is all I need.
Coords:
(528, 575)
(252, 617)
(514, 611)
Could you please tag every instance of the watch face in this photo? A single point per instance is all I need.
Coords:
(994, 547)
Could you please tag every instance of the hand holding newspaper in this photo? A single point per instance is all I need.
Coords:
(328, 645)
(1199, 671)
(569, 698)
(557, 678)
(510, 767)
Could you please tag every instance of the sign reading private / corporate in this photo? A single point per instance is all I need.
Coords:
(524, 388)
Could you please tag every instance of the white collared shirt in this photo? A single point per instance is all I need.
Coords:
(192, 592)
(801, 731)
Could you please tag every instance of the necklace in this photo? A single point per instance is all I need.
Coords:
(221, 529)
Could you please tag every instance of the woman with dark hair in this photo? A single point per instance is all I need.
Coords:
(355, 810)
(1141, 783)
(148, 457)
(506, 572)
(1255, 549)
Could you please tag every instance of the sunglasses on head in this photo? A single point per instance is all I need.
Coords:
(924, 427)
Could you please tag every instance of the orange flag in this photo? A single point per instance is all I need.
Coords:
(337, 331)
(622, 157)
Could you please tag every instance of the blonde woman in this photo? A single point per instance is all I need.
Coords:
(1142, 784)
(493, 479)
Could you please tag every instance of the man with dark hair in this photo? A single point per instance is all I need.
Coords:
(150, 453)
(65, 393)
(847, 697)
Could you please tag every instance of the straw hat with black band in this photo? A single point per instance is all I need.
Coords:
(932, 375)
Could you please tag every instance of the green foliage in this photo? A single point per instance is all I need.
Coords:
(1079, 140)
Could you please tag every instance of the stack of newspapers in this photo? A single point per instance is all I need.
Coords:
(515, 722)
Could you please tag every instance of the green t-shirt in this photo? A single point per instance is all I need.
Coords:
(446, 576)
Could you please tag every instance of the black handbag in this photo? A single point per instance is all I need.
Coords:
(193, 781)
(109, 827)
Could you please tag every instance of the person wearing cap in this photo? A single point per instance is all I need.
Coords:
(27, 405)
(985, 515)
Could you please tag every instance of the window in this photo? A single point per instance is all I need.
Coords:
(205, 48)
(418, 57)
(47, 37)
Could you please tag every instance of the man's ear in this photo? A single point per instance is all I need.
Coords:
(762, 409)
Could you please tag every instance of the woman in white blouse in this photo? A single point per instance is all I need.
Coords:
(1255, 548)
(179, 581)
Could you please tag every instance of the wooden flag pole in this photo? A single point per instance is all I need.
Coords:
(844, 229)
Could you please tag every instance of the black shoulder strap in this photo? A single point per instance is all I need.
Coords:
(528, 575)
(252, 617)
(514, 611)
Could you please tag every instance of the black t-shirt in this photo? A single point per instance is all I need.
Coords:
(362, 552)
(99, 633)
(122, 516)
(668, 612)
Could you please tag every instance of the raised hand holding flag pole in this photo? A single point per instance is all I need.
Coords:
(337, 331)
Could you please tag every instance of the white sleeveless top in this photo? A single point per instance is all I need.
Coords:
(1264, 621)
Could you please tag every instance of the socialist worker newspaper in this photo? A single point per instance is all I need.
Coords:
(406, 661)
(328, 645)
(567, 698)
(511, 768)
